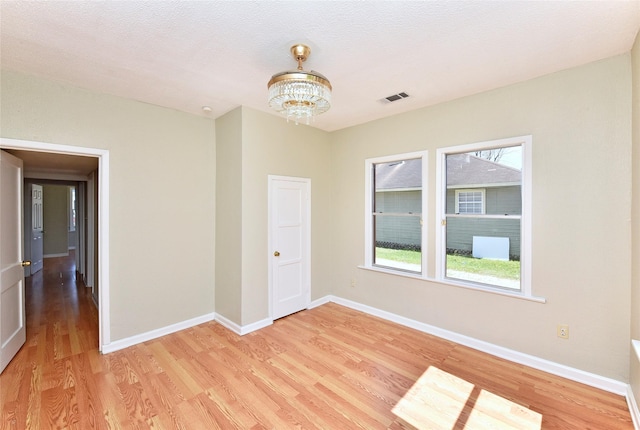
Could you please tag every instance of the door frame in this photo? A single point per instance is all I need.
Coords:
(102, 155)
(270, 247)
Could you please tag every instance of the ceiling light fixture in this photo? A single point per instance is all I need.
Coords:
(298, 94)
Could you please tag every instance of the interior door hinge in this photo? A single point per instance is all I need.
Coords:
(443, 222)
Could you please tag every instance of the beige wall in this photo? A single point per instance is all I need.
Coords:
(581, 126)
(251, 146)
(635, 220)
(55, 216)
(162, 193)
(228, 215)
(273, 146)
(164, 199)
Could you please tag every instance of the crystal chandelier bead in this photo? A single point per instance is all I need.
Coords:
(299, 95)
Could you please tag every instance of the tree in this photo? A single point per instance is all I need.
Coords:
(491, 154)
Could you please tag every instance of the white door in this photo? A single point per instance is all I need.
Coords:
(12, 311)
(36, 228)
(290, 240)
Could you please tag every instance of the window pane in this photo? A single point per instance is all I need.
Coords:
(398, 185)
(470, 202)
(484, 250)
(493, 175)
(397, 213)
(483, 208)
(398, 242)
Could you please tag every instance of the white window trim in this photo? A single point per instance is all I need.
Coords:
(470, 190)
(368, 208)
(526, 232)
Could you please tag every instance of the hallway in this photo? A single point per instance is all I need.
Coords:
(54, 294)
(62, 324)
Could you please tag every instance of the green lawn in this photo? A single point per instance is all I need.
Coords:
(497, 268)
(400, 255)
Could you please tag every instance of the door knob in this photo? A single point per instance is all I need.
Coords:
(26, 263)
(276, 254)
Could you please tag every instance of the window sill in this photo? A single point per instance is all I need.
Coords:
(459, 284)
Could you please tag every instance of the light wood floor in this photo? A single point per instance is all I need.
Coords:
(326, 368)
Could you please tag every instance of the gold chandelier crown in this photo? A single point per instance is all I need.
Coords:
(298, 94)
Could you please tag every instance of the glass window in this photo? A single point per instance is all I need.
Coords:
(470, 201)
(484, 227)
(395, 202)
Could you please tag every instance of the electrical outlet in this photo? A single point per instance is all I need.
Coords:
(563, 331)
(353, 282)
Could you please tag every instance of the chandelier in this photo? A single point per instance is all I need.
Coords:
(298, 94)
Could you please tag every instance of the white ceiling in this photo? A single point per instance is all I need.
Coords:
(189, 54)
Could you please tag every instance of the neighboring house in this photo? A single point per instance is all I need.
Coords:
(398, 191)
(477, 188)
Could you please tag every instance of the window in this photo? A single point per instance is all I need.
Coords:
(395, 203)
(470, 201)
(484, 214)
(72, 208)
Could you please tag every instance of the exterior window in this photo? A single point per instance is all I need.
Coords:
(470, 201)
(484, 214)
(395, 207)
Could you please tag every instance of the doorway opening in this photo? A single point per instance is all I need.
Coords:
(98, 192)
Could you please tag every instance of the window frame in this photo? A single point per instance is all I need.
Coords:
(525, 218)
(369, 209)
(483, 192)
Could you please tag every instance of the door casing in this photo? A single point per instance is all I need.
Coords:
(273, 180)
(104, 323)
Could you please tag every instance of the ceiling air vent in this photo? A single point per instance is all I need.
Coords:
(395, 97)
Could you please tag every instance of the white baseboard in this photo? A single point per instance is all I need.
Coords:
(321, 301)
(242, 330)
(591, 379)
(95, 300)
(153, 334)
(633, 408)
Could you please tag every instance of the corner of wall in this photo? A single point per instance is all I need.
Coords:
(634, 358)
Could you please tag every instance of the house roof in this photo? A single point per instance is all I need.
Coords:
(399, 175)
(463, 170)
(469, 170)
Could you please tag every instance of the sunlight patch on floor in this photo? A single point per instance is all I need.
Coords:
(440, 400)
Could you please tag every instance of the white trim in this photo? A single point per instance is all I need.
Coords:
(591, 379)
(306, 239)
(242, 330)
(631, 399)
(103, 218)
(633, 408)
(154, 334)
(368, 204)
(227, 323)
(321, 301)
